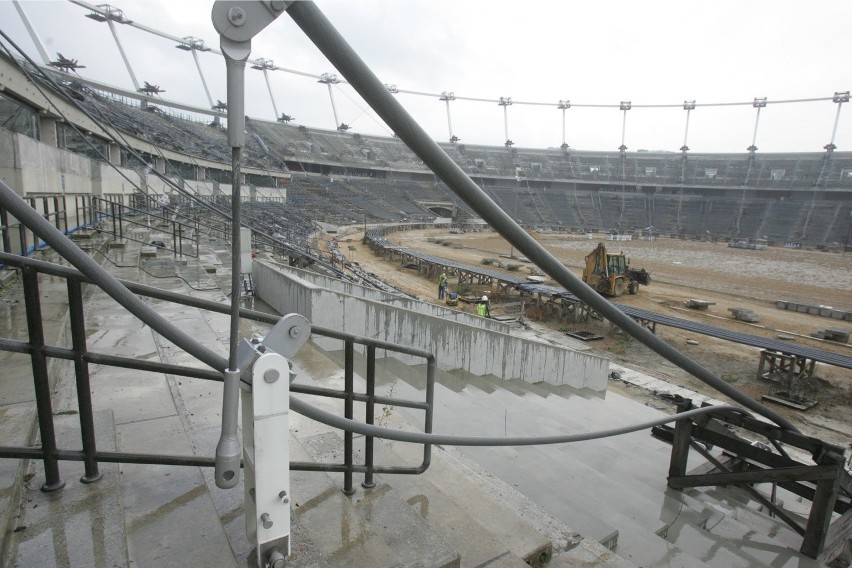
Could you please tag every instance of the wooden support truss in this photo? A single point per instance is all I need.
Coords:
(825, 482)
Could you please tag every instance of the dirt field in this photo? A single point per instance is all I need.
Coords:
(681, 270)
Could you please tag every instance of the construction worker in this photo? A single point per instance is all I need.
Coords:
(442, 285)
(482, 308)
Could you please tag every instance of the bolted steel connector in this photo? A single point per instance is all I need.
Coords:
(271, 375)
(266, 521)
(237, 16)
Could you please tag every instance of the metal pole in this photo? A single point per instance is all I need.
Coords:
(41, 382)
(756, 122)
(370, 416)
(348, 412)
(269, 88)
(81, 373)
(450, 120)
(836, 122)
(31, 30)
(203, 80)
(563, 127)
(320, 31)
(123, 55)
(686, 130)
(506, 121)
(333, 108)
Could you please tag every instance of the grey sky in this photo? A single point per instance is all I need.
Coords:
(659, 52)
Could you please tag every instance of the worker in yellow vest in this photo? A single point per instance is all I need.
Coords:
(482, 308)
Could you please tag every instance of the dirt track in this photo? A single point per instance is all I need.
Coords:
(752, 279)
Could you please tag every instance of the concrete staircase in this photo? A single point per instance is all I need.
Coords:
(474, 507)
(612, 490)
(144, 515)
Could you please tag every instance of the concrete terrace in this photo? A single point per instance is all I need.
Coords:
(591, 504)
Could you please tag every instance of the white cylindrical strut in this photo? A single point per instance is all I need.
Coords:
(449, 120)
(756, 122)
(269, 88)
(686, 130)
(836, 122)
(123, 55)
(333, 108)
(33, 34)
(623, 126)
(200, 74)
(506, 121)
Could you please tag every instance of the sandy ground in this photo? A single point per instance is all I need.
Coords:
(682, 270)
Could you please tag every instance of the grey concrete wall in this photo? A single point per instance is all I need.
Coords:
(352, 289)
(456, 345)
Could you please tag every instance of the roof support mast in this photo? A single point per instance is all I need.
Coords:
(110, 14)
(33, 34)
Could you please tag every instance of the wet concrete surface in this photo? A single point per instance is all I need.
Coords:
(144, 515)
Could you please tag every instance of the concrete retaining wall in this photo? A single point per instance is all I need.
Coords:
(456, 345)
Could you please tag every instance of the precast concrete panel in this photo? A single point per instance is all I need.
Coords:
(455, 345)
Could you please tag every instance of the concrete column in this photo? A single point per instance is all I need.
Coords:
(47, 129)
(160, 164)
(114, 154)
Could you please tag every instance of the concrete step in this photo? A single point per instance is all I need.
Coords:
(462, 509)
(81, 524)
(643, 549)
(524, 530)
(370, 529)
(723, 541)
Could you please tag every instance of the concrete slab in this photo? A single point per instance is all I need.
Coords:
(79, 525)
(381, 531)
(162, 501)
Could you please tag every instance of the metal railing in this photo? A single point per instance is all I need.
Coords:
(82, 358)
(118, 220)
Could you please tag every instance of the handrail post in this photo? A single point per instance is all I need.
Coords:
(348, 411)
(368, 482)
(41, 382)
(81, 373)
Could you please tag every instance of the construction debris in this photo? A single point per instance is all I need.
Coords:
(832, 335)
(815, 310)
(744, 314)
(696, 304)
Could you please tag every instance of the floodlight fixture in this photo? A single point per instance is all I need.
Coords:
(752, 149)
(759, 102)
(285, 118)
(343, 127)
(625, 105)
(688, 105)
(454, 139)
(263, 64)
(66, 64)
(447, 96)
(504, 101)
(622, 148)
(841, 97)
(564, 105)
(105, 12)
(393, 89)
(190, 43)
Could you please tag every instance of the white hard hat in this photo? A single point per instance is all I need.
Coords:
(484, 298)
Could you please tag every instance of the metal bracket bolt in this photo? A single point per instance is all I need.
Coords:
(283, 496)
(267, 522)
(271, 375)
(237, 16)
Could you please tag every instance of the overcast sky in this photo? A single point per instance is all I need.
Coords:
(654, 52)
